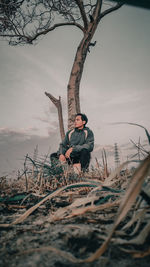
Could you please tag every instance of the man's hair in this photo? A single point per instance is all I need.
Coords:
(83, 117)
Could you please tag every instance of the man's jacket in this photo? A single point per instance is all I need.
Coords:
(77, 139)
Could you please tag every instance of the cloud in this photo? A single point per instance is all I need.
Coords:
(45, 120)
(52, 109)
(16, 143)
(7, 134)
(19, 135)
(101, 147)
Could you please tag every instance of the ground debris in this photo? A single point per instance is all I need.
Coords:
(75, 220)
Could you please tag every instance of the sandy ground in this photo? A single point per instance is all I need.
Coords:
(27, 244)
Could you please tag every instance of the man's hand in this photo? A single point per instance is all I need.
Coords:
(68, 152)
(62, 158)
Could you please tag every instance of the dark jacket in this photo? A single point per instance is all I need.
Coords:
(77, 139)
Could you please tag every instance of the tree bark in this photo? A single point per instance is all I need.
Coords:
(57, 103)
(75, 78)
(73, 97)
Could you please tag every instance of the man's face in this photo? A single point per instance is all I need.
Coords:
(79, 123)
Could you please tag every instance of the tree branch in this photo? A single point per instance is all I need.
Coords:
(109, 10)
(82, 11)
(56, 26)
(97, 9)
(57, 103)
(30, 39)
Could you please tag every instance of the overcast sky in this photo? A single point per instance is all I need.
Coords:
(115, 85)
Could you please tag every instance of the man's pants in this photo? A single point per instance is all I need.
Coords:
(83, 157)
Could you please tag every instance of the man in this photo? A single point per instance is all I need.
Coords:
(77, 145)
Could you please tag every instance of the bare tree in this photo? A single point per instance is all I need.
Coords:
(24, 21)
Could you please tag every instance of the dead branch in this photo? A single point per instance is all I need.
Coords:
(57, 103)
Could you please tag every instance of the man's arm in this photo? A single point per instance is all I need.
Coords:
(89, 143)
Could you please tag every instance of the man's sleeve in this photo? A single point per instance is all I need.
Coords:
(89, 143)
(64, 145)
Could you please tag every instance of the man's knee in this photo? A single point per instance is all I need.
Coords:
(85, 152)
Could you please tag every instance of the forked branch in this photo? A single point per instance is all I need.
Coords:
(57, 103)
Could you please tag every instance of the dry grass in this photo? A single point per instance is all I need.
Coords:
(111, 198)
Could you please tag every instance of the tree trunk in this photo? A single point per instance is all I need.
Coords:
(57, 103)
(73, 87)
(76, 74)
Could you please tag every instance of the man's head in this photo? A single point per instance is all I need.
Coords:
(80, 120)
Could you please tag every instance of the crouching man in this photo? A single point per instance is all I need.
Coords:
(77, 145)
